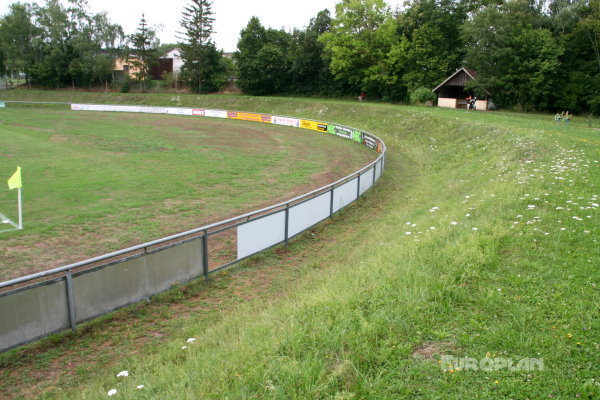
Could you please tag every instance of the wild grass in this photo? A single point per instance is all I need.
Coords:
(480, 241)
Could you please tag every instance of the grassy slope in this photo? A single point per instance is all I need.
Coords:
(99, 182)
(377, 307)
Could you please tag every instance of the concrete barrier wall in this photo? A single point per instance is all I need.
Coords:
(36, 311)
(33, 313)
(127, 282)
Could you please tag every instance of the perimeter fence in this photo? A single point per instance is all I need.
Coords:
(35, 306)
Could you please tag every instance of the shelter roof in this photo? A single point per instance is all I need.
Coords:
(459, 78)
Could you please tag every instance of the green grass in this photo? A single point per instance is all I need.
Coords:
(366, 306)
(98, 182)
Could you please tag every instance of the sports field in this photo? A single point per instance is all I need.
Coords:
(99, 182)
(469, 271)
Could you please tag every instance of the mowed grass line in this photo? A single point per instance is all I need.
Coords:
(98, 182)
(468, 246)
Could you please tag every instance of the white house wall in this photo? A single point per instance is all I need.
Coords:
(175, 54)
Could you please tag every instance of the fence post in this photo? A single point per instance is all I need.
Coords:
(287, 223)
(71, 302)
(331, 202)
(205, 253)
(358, 187)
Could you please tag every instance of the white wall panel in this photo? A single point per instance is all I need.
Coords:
(309, 213)
(366, 180)
(344, 194)
(260, 234)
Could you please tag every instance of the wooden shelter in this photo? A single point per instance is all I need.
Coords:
(452, 93)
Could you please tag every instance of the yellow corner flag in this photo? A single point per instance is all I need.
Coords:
(15, 180)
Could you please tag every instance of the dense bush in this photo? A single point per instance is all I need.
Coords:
(422, 95)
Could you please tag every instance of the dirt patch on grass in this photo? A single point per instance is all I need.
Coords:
(32, 128)
(59, 138)
(432, 350)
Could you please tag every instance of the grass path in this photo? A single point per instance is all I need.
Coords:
(479, 242)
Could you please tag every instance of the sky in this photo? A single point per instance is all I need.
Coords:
(231, 16)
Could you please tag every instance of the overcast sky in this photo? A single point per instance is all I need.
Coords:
(231, 16)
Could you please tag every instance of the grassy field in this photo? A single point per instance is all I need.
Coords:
(480, 243)
(97, 182)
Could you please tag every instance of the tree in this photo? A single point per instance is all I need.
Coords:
(262, 59)
(202, 61)
(516, 57)
(433, 45)
(2, 65)
(309, 64)
(590, 24)
(96, 43)
(355, 44)
(252, 39)
(17, 38)
(55, 51)
(577, 27)
(143, 51)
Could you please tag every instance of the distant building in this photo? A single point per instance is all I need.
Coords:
(170, 63)
(452, 93)
(175, 55)
(123, 69)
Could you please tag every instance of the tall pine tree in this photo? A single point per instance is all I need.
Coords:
(143, 52)
(197, 49)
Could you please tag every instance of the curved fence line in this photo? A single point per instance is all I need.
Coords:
(37, 305)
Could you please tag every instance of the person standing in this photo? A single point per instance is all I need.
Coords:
(568, 117)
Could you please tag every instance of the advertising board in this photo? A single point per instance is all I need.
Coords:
(286, 121)
(313, 125)
(201, 112)
(249, 116)
(339, 131)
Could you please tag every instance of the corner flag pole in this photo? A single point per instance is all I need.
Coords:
(20, 210)
(15, 182)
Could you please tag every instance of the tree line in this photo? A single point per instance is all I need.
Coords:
(60, 46)
(530, 55)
